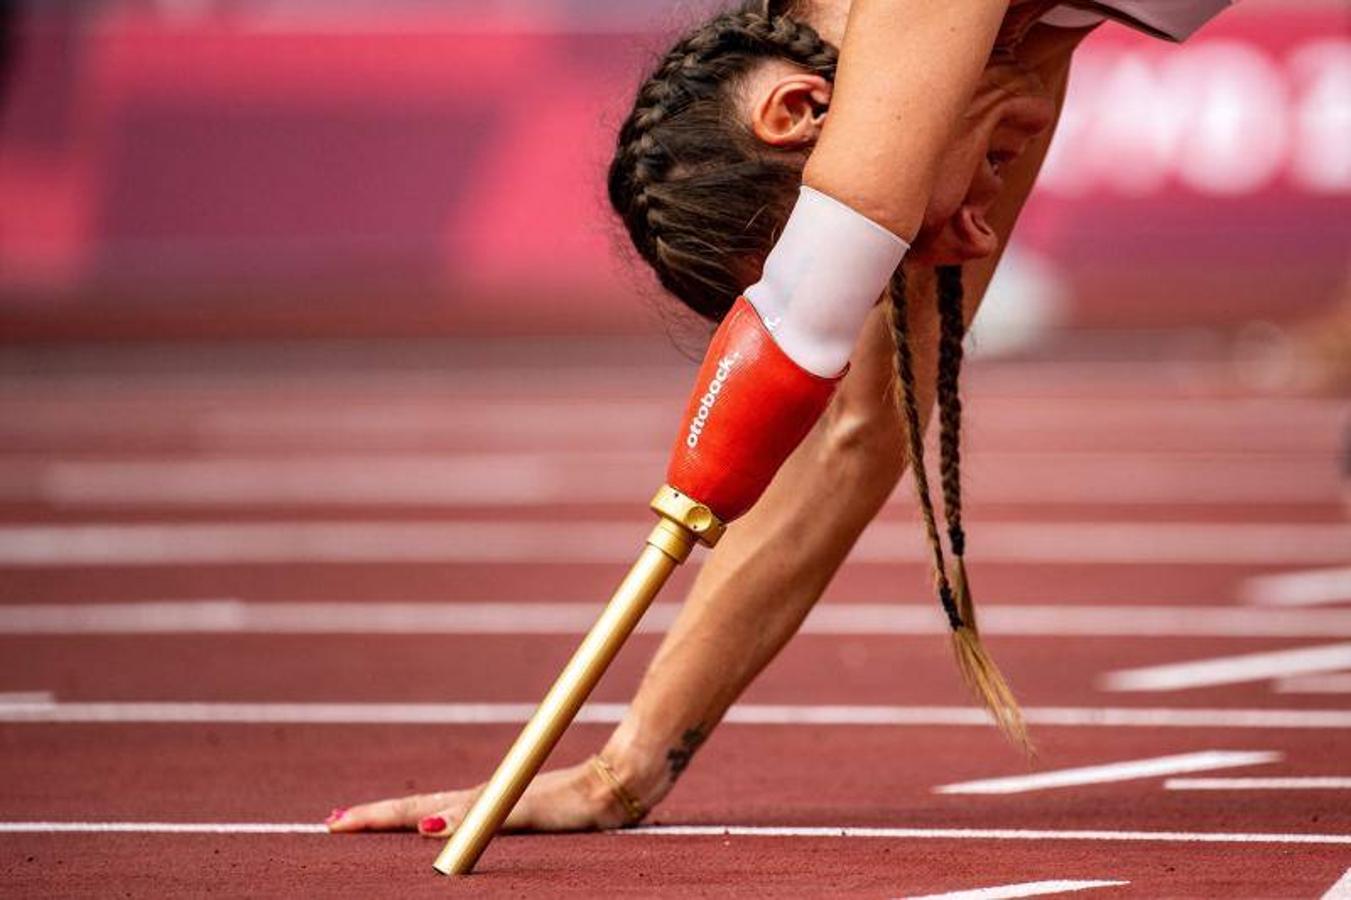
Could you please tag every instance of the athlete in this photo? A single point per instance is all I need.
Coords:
(727, 176)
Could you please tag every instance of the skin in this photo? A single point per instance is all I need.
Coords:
(892, 120)
(1010, 107)
(748, 599)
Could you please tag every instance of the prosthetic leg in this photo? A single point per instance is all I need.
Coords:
(750, 407)
(683, 522)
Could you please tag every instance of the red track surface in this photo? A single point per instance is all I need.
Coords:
(57, 412)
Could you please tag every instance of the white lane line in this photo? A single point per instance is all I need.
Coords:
(675, 831)
(1230, 669)
(1312, 783)
(533, 479)
(598, 541)
(1335, 683)
(472, 618)
(1022, 889)
(161, 828)
(122, 712)
(1341, 890)
(1129, 770)
(1299, 588)
(988, 834)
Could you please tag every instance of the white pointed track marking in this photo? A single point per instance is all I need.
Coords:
(1128, 770)
(1230, 669)
(1306, 783)
(1306, 588)
(124, 712)
(1023, 889)
(390, 617)
(1341, 890)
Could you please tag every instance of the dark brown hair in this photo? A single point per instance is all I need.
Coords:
(703, 201)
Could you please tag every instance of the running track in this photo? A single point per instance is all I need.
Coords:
(242, 585)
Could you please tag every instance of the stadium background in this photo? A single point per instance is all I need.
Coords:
(293, 168)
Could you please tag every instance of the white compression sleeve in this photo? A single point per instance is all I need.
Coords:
(827, 270)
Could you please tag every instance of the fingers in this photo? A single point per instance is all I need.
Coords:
(445, 820)
(401, 814)
(562, 800)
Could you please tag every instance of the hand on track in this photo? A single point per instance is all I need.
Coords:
(572, 799)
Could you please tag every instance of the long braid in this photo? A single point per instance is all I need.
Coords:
(978, 669)
(953, 332)
(914, 441)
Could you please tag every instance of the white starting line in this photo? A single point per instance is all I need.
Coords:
(469, 618)
(751, 831)
(990, 834)
(124, 712)
(162, 828)
(616, 542)
(1129, 770)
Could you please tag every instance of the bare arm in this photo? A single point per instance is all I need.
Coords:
(891, 119)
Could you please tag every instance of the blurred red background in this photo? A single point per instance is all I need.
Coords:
(295, 169)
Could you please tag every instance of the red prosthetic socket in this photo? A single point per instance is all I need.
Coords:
(751, 406)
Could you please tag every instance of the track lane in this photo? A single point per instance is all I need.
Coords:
(858, 581)
(632, 866)
(762, 775)
(74, 418)
(813, 669)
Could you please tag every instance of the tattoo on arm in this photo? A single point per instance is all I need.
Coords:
(678, 757)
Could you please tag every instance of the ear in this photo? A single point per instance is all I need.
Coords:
(790, 111)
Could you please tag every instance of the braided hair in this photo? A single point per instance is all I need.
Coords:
(703, 202)
(701, 198)
(953, 588)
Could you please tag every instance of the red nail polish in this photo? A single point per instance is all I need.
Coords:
(432, 825)
(336, 815)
